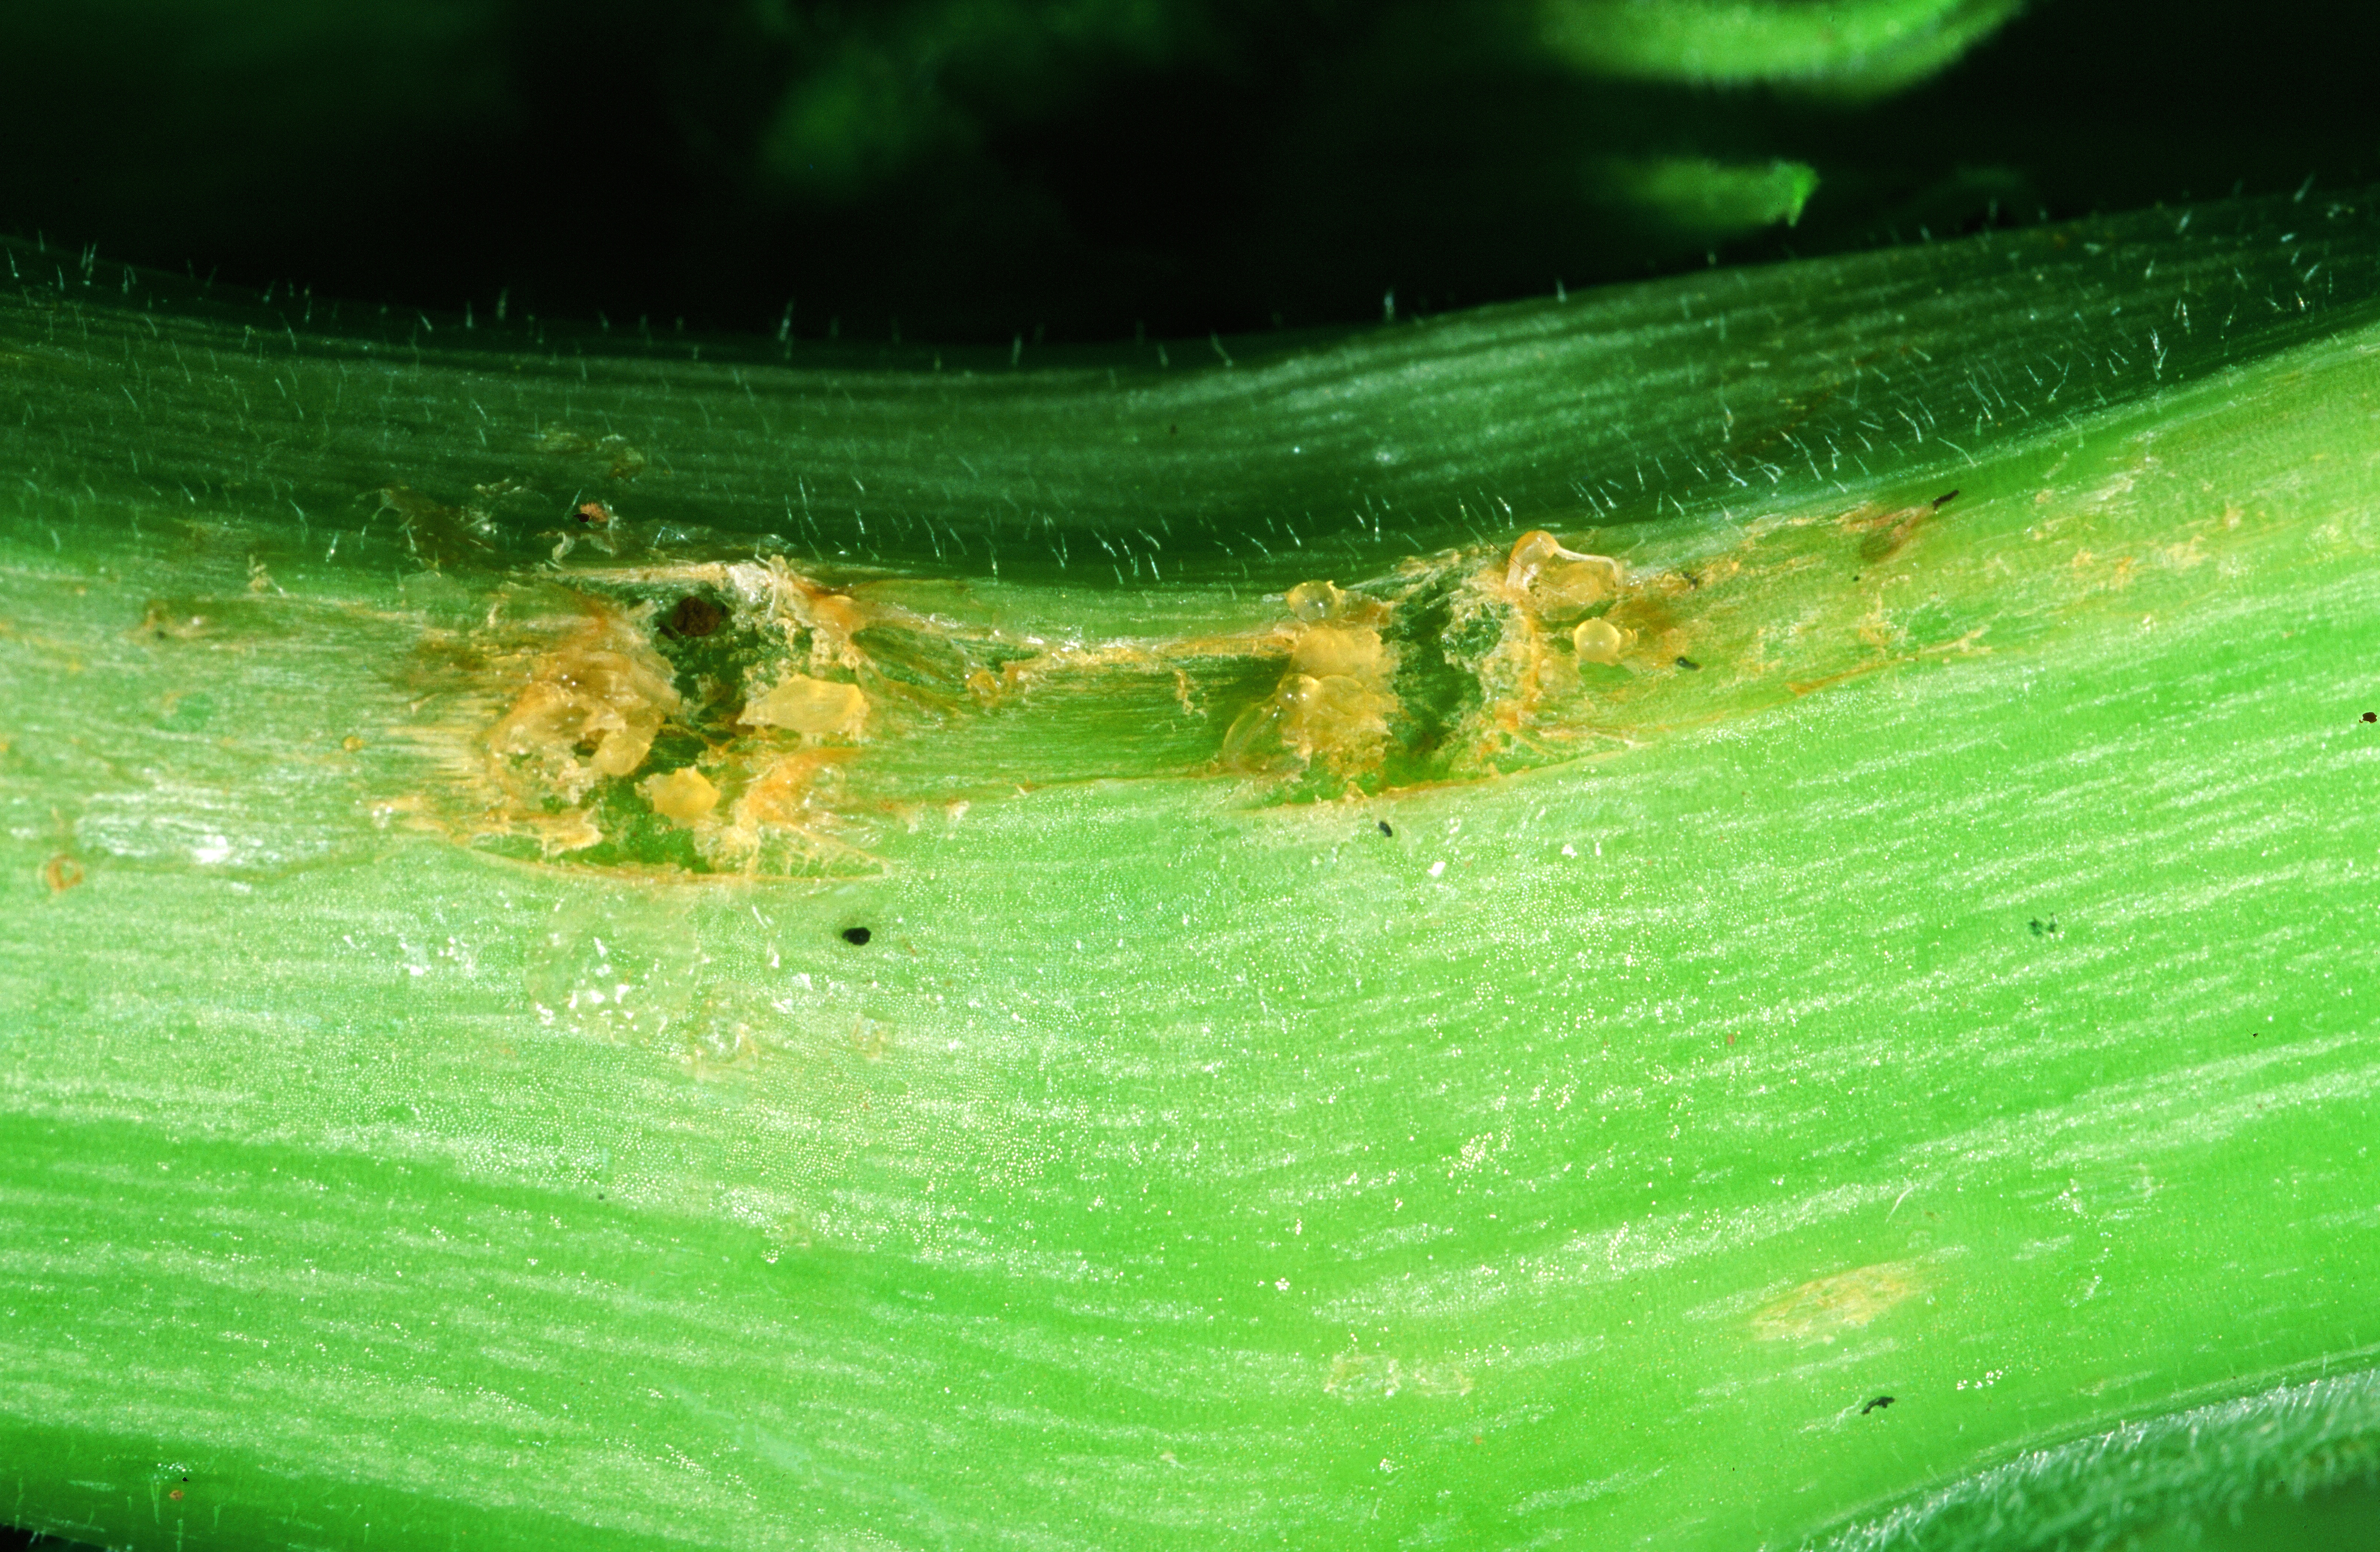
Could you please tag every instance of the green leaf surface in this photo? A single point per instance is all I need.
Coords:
(1926, 962)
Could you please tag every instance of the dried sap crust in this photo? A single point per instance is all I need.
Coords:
(746, 718)
(625, 737)
(710, 718)
(590, 709)
(1334, 701)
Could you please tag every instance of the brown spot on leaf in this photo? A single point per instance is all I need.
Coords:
(1885, 530)
(1824, 1308)
(695, 617)
(181, 621)
(623, 459)
(439, 534)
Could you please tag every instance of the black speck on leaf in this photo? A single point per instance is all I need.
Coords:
(1384, 827)
(856, 936)
(1689, 663)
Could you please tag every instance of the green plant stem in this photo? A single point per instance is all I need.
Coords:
(1556, 1117)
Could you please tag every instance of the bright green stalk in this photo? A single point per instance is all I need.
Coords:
(1862, 49)
(1694, 195)
(1549, 1114)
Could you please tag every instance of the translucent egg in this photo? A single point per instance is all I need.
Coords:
(1600, 641)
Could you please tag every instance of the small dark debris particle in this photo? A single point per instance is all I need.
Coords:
(2044, 928)
(1173, 431)
(1384, 827)
(695, 617)
(1945, 499)
(856, 936)
(1689, 663)
(1880, 1400)
(2372, 716)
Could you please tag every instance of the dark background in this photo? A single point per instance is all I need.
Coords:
(1183, 165)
